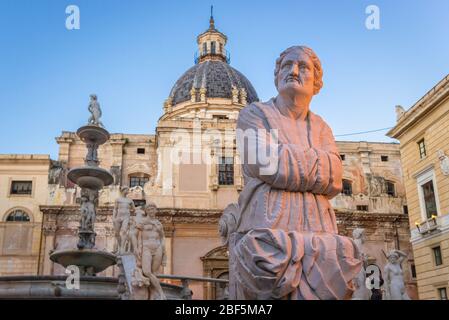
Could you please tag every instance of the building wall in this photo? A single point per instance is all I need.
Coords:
(190, 217)
(428, 119)
(362, 165)
(20, 241)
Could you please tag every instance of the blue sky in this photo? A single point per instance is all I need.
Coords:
(130, 53)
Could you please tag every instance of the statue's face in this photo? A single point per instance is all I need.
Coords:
(151, 212)
(296, 75)
(393, 258)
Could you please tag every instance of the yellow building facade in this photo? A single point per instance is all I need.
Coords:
(423, 134)
(23, 188)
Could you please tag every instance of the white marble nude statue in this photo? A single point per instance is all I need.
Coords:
(394, 277)
(120, 218)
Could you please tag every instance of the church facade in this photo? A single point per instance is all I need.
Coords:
(190, 168)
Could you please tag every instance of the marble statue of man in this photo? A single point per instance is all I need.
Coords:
(361, 292)
(120, 218)
(148, 247)
(285, 243)
(95, 110)
(394, 278)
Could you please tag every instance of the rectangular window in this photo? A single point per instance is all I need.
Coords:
(362, 208)
(390, 188)
(226, 171)
(384, 158)
(140, 150)
(21, 187)
(442, 293)
(405, 209)
(413, 269)
(422, 148)
(347, 188)
(220, 117)
(429, 199)
(437, 256)
(139, 203)
(138, 181)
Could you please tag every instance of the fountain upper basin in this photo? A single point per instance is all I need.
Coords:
(93, 178)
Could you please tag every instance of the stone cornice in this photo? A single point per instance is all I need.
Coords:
(31, 159)
(351, 217)
(166, 215)
(216, 104)
(170, 216)
(423, 106)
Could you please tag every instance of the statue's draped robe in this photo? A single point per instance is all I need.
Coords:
(286, 245)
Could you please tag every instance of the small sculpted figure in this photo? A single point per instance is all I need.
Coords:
(87, 213)
(95, 110)
(120, 217)
(361, 292)
(394, 278)
(444, 162)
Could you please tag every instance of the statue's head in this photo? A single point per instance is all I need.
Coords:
(151, 209)
(358, 233)
(140, 211)
(93, 97)
(124, 190)
(84, 199)
(298, 72)
(393, 257)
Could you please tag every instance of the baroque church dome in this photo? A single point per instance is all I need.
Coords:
(217, 77)
(211, 76)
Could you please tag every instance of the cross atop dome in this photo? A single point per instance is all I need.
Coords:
(211, 20)
(211, 44)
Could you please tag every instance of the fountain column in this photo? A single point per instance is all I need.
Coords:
(91, 178)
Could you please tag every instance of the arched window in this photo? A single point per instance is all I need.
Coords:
(212, 47)
(204, 48)
(347, 187)
(390, 188)
(18, 215)
(221, 288)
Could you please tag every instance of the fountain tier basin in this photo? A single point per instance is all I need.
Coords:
(93, 178)
(89, 259)
(93, 134)
(54, 287)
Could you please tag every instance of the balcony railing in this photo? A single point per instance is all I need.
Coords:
(186, 280)
(427, 226)
(223, 54)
